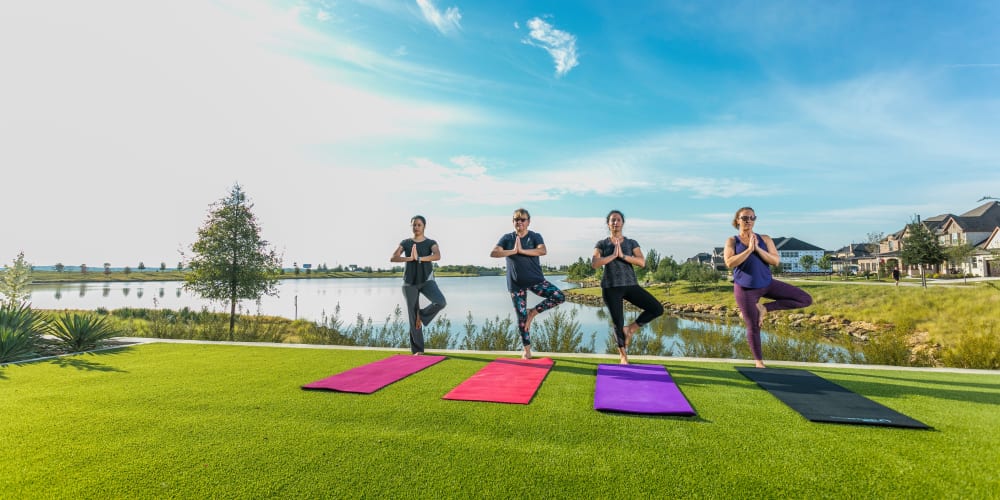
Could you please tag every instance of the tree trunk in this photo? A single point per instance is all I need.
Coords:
(232, 318)
(923, 278)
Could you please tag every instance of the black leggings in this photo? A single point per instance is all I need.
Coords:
(637, 296)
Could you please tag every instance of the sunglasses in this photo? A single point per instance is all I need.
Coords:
(520, 219)
(748, 218)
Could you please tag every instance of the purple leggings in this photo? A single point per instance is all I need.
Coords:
(785, 296)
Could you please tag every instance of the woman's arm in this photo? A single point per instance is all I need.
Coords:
(730, 256)
(767, 252)
(597, 261)
(435, 254)
(397, 256)
(636, 259)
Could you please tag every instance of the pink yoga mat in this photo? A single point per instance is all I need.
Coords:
(369, 378)
(504, 381)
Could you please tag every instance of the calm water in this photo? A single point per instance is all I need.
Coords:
(484, 297)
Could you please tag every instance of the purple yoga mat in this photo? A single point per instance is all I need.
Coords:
(639, 389)
(369, 378)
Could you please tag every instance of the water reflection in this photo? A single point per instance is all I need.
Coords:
(485, 298)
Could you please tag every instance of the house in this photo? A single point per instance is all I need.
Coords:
(792, 250)
(977, 227)
(846, 259)
(987, 258)
(714, 259)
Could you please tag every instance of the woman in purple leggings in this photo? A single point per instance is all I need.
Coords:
(750, 256)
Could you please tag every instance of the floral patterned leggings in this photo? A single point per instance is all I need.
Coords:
(553, 297)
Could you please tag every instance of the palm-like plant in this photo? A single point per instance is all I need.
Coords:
(20, 331)
(79, 332)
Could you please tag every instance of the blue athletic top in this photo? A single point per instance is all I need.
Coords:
(753, 272)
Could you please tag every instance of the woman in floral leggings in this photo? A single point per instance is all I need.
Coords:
(522, 248)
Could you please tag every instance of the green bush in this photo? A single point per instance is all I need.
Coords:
(20, 332)
(977, 351)
(559, 331)
(495, 335)
(79, 332)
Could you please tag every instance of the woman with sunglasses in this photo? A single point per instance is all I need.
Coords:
(522, 248)
(617, 254)
(750, 256)
(418, 253)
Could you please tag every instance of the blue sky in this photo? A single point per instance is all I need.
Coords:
(122, 123)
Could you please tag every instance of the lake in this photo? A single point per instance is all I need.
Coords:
(484, 297)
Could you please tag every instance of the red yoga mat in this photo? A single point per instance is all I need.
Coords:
(504, 381)
(369, 378)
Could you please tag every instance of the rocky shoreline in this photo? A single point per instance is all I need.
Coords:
(830, 325)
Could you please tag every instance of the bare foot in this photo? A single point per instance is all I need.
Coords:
(759, 364)
(420, 323)
(762, 312)
(622, 358)
(418, 354)
(527, 321)
(629, 332)
(527, 353)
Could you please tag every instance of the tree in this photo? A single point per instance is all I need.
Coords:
(807, 261)
(107, 268)
(652, 260)
(60, 267)
(230, 261)
(698, 274)
(960, 254)
(580, 270)
(141, 266)
(163, 266)
(15, 281)
(921, 247)
(825, 263)
(667, 270)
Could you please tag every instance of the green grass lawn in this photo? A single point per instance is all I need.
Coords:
(223, 421)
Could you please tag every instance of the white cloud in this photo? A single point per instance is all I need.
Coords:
(559, 44)
(447, 22)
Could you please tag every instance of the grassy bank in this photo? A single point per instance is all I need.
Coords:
(947, 314)
(218, 421)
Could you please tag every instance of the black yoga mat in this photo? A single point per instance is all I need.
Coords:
(820, 400)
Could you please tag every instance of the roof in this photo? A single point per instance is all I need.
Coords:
(985, 209)
(794, 244)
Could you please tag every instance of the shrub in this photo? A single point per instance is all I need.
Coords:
(79, 332)
(495, 335)
(977, 351)
(20, 332)
(558, 332)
